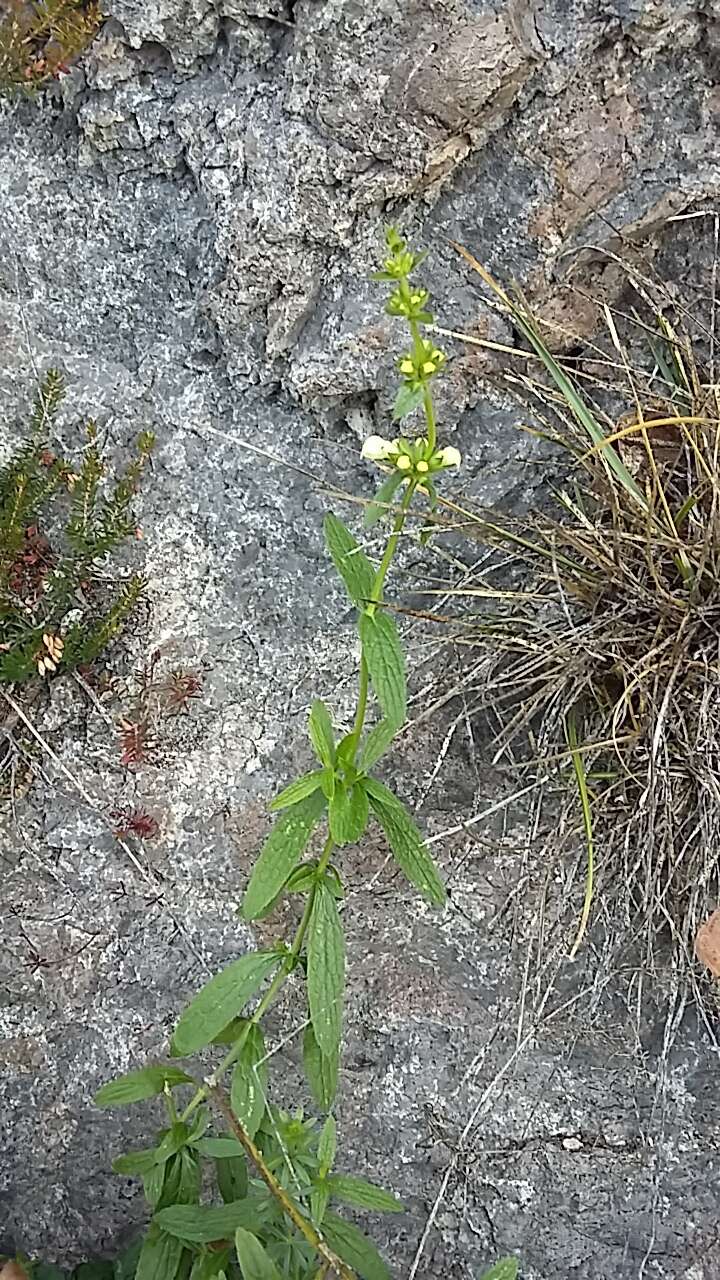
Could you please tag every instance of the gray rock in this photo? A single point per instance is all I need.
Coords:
(188, 229)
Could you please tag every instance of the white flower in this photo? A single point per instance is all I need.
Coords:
(375, 449)
(449, 456)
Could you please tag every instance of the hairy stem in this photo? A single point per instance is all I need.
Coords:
(329, 1258)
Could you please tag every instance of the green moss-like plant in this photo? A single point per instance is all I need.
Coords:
(53, 615)
(39, 38)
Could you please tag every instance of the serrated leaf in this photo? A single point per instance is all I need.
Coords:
(357, 1191)
(376, 744)
(160, 1255)
(321, 1070)
(135, 1163)
(384, 496)
(327, 1146)
(321, 733)
(386, 664)
(249, 1082)
(220, 1000)
(281, 851)
(407, 399)
(326, 970)
(200, 1224)
(254, 1261)
(351, 563)
(406, 842)
(297, 790)
(348, 813)
(354, 1248)
(505, 1269)
(136, 1086)
(345, 752)
(220, 1149)
(319, 1201)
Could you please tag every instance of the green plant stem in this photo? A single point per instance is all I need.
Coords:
(392, 543)
(375, 598)
(428, 406)
(273, 990)
(329, 1258)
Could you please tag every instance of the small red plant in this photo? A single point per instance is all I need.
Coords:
(136, 822)
(134, 742)
(178, 689)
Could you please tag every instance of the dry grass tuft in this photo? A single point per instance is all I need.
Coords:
(607, 664)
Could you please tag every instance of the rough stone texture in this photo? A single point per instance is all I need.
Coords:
(188, 228)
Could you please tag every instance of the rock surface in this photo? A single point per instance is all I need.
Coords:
(188, 228)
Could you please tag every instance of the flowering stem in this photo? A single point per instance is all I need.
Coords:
(428, 407)
(392, 542)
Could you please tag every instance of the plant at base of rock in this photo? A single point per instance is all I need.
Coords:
(39, 38)
(274, 1211)
(608, 658)
(53, 618)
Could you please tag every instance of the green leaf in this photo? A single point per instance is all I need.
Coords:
(93, 1271)
(354, 1248)
(46, 1271)
(202, 1223)
(135, 1163)
(406, 842)
(364, 1194)
(505, 1269)
(138, 1085)
(180, 1181)
(385, 494)
(327, 1146)
(376, 743)
(254, 1262)
(302, 878)
(220, 1000)
(351, 563)
(210, 1266)
(249, 1082)
(407, 399)
(321, 1070)
(220, 1148)
(348, 813)
(172, 1141)
(386, 665)
(282, 849)
(232, 1178)
(326, 970)
(153, 1183)
(319, 1201)
(160, 1256)
(321, 734)
(126, 1265)
(297, 790)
